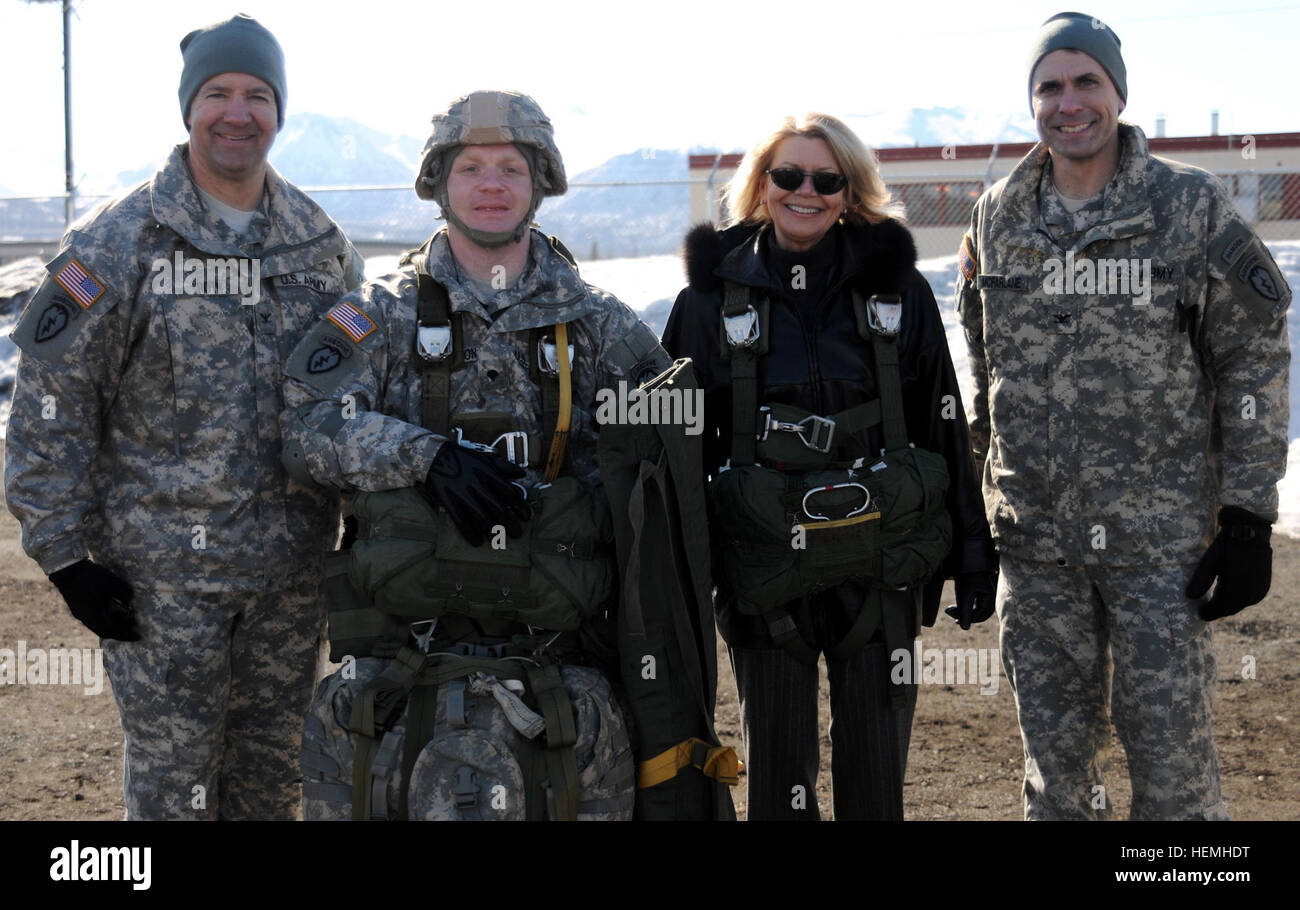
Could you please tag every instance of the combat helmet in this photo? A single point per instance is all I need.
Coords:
(489, 118)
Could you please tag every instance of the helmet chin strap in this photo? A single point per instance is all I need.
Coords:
(489, 239)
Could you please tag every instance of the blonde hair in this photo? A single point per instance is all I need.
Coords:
(865, 197)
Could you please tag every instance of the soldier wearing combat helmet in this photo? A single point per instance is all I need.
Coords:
(1129, 353)
(455, 400)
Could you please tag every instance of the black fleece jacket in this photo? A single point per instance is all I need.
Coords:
(817, 360)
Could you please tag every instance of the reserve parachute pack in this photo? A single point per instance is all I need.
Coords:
(468, 689)
(789, 522)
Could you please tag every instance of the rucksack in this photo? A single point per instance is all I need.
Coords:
(463, 743)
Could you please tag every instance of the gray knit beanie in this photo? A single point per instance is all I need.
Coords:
(1080, 32)
(241, 44)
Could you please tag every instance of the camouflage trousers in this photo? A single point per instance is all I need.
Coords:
(212, 699)
(1080, 642)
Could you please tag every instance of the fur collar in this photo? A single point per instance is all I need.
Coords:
(880, 256)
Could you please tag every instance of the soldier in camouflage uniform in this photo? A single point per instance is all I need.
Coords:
(1129, 352)
(357, 398)
(366, 346)
(143, 454)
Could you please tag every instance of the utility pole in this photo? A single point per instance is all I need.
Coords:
(69, 191)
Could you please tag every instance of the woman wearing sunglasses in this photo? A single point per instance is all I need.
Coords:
(842, 491)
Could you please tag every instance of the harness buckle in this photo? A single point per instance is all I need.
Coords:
(548, 358)
(885, 314)
(814, 431)
(425, 635)
(466, 790)
(817, 432)
(742, 328)
(433, 342)
(476, 446)
(516, 444)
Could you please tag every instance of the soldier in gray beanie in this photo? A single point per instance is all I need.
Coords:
(160, 509)
(241, 44)
(1121, 475)
(1079, 32)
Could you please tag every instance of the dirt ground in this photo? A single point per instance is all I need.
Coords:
(61, 749)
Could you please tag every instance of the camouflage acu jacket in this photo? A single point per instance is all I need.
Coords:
(1114, 414)
(356, 407)
(145, 426)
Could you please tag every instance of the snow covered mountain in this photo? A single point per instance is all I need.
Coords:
(315, 150)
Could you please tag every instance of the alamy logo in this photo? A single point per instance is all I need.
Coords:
(947, 667)
(208, 276)
(683, 407)
(75, 863)
(1127, 277)
(53, 667)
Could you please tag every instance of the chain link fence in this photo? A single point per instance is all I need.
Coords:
(939, 207)
(643, 218)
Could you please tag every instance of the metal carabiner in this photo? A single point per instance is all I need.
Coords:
(836, 486)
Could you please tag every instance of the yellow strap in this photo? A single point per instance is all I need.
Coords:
(556, 456)
(720, 763)
(839, 522)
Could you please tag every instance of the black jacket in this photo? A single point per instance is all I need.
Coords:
(818, 361)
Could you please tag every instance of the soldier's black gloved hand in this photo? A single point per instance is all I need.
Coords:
(1243, 561)
(976, 597)
(475, 489)
(99, 599)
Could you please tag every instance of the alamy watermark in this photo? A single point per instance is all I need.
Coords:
(947, 667)
(1127, 277)
(53, 667)
(75, 863)
(208, 276)
(680, 407)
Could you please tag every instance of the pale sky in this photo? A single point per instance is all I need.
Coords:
(615, 77)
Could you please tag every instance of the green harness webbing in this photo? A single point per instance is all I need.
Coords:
(886, 411)
(435, 318)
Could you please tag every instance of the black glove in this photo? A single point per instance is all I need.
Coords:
(475, 489)
(976, 597)
(1243, 561)
(99, 599)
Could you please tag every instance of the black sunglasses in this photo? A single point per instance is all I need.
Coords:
(791, 178)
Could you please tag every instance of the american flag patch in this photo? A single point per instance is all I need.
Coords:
(74, 279)
(351, 320)
(965, 261)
